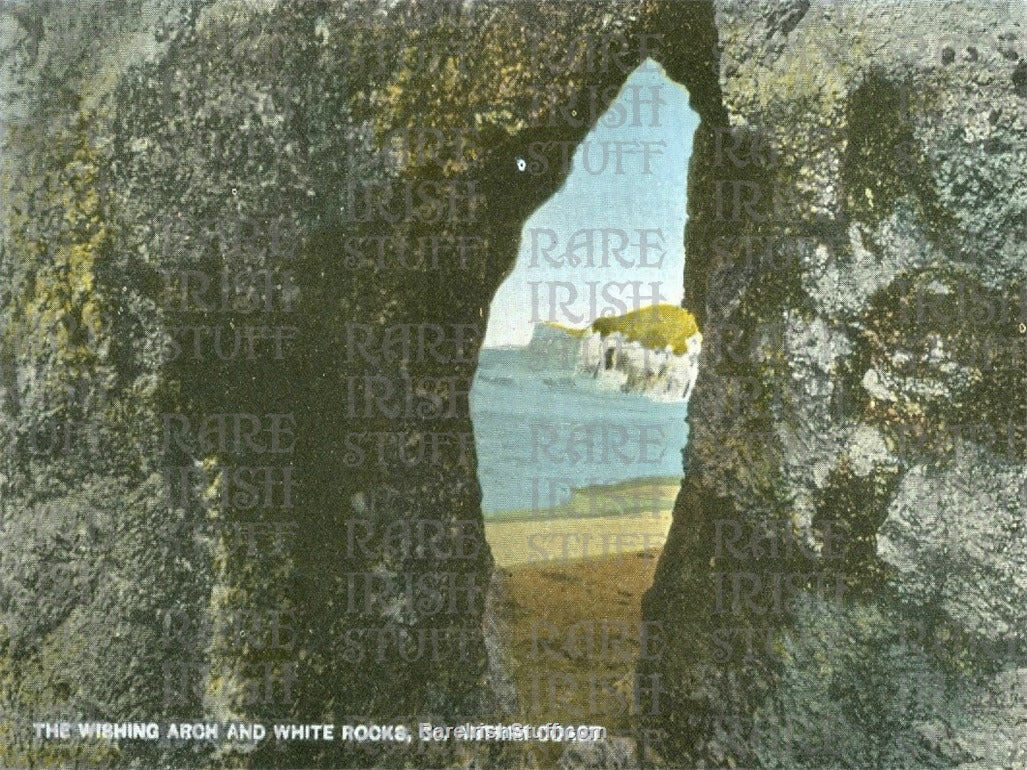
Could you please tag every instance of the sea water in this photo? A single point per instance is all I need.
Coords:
(541, 432)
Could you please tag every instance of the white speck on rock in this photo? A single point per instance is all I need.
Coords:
(872, 384)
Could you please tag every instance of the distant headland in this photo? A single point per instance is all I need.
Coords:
(653, 351)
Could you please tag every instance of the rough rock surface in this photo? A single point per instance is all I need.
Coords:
(845, 579)
(206, 228)
(846, 334)
(617, 363)
(635, 368)
(611, 754)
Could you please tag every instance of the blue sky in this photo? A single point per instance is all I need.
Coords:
(624, 202)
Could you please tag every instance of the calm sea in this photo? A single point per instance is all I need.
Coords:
(541, 432)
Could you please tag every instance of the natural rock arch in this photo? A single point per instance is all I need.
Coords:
(189, 109)
(256, 155)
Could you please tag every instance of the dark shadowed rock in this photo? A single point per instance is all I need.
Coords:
(856, 242)
(858, 423)
(610, 754)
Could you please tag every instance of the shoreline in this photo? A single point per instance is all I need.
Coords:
(598, 522)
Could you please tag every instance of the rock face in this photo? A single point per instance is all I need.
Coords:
(618, 363)
(239, 241)
(206, 239)
(635, 368)
(844, 584)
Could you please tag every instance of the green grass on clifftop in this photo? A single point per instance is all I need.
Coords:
(654, 326)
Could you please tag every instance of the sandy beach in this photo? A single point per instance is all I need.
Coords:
(572, 582)
(575, 631)
(598, 522)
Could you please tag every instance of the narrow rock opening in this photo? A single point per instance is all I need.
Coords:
(579, 406)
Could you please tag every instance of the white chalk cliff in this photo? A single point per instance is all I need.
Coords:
(617, 363)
